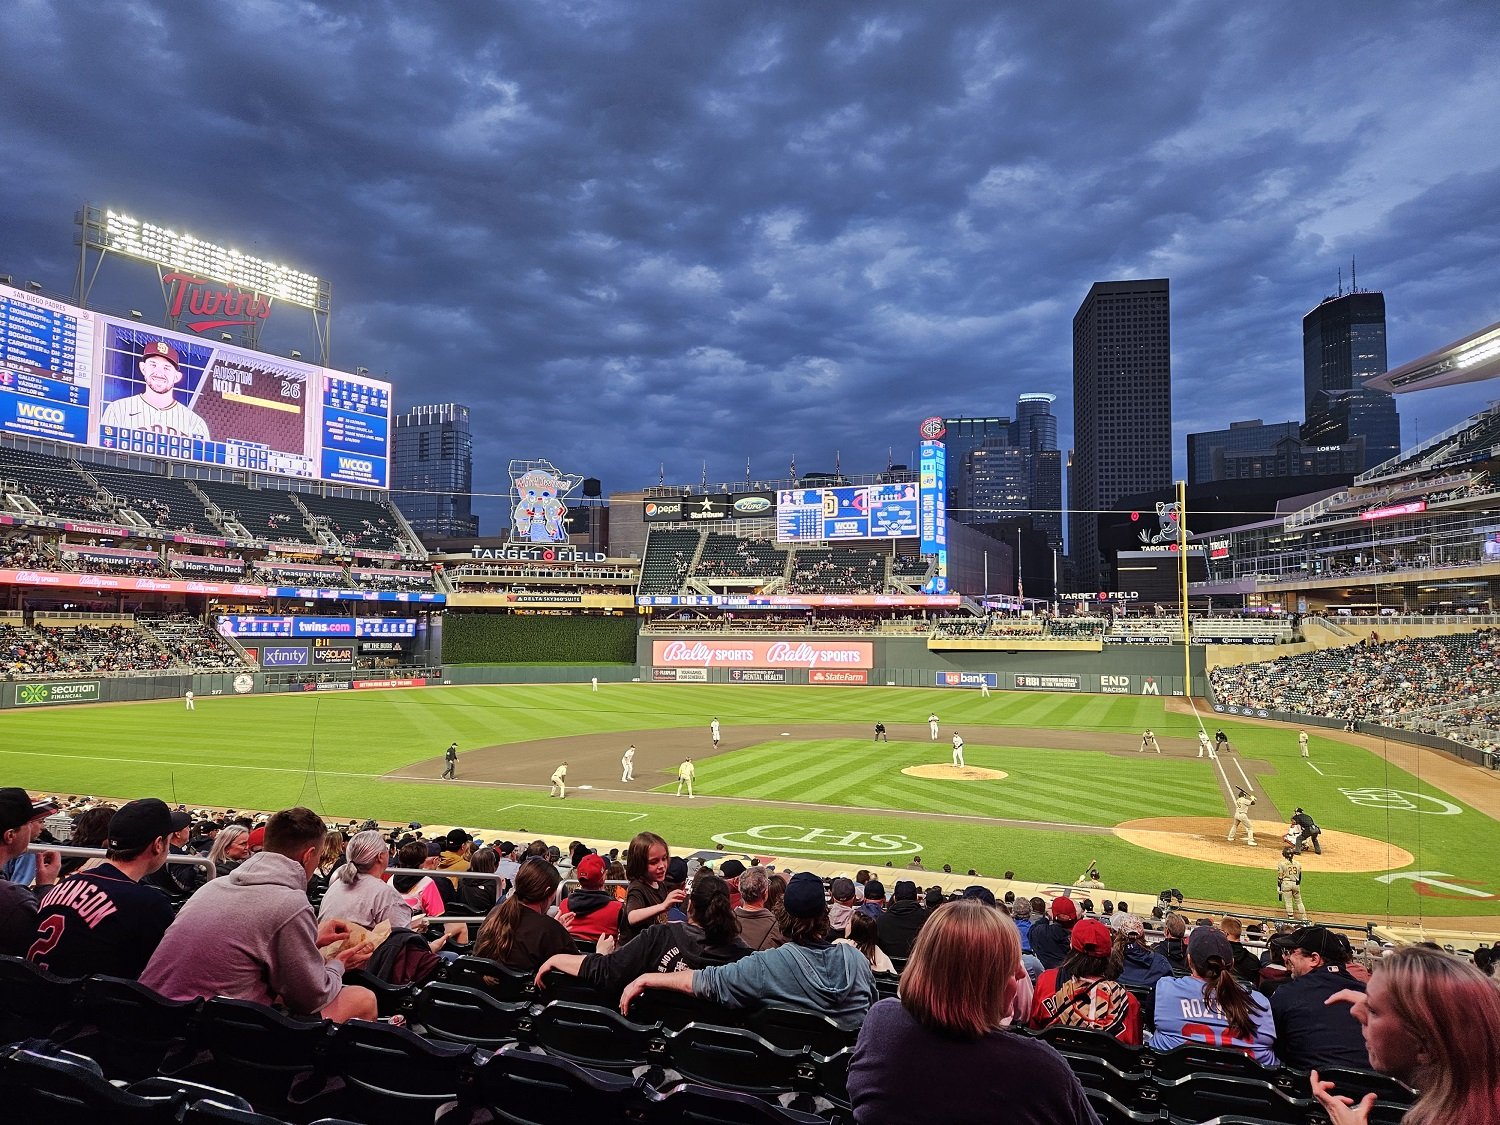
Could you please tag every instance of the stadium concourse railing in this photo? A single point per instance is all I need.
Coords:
(68, 851)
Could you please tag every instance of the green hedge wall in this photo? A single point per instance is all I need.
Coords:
(505, 638)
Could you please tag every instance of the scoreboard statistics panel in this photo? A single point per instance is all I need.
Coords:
(877, 511)
(76, 376)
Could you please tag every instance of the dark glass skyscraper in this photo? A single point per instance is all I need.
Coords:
(432, 476)
(1343, 344)
(1122, 409)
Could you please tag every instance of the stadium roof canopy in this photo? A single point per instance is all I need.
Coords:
(1468, 360)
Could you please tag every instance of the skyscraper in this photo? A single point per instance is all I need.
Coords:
(1122, 408)
(432, 459)
(1343, 344)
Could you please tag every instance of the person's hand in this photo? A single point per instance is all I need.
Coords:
(632, 990)
(1341, 1110)
(547, 966)
(1345, 996)
(566, 918)
(431, 863)
(355, 956)
(675, 898)
(331, 930)
(48, 867)
(606, 944)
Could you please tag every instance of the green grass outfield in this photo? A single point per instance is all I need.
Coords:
(330, 750)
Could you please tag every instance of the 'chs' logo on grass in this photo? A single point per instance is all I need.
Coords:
(795, 839)
(1401, 801)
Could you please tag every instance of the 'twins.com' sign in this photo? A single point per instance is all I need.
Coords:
(762, 654)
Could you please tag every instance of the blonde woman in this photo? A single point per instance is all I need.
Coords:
(231, 848)
(1432, 1021)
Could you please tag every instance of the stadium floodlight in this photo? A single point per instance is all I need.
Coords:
(1485, 350)
(171, 250)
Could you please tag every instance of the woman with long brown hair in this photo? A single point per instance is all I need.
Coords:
(1211, 1006)
(1432, 1021)
(957, 989)
(518, 932)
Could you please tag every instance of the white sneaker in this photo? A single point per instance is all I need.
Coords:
(1251, 844)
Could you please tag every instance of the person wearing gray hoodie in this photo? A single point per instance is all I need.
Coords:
(252, 934)
(808, 971)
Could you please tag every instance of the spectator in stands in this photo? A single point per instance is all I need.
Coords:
(478, 896)
(231, 848)
(1020, 912)
(357, 890)
(864, 934)
(458, 845)
(177, 880)
(1140, 966)
(1310, 1032)
(333, 856)
(646, 900)
(956, 992)
(252, 935)
(105, 920)
(1051, 941)
(1173, 946)
(595, 912)
(901, 922)
(1084, 991)
(1211, 1003)
(843, 906)
(90, 830)
(1433, 1021)
(21, 821)
(1246, 964)
(708, 937)
(759, 927)
(518, 933)
(874, 902)
(423, 895)
(809, 971)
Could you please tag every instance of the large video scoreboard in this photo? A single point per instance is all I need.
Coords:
(70, 375)
(877, 511)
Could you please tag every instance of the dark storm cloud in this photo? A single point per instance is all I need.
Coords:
(633, 235)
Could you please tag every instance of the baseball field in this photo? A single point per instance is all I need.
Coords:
(1052, 782)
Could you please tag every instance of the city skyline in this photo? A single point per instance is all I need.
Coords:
(641, 235)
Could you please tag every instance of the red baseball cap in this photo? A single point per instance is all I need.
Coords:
(1064, 909)
(1092, 936)
(257, 837)
(591, 871)
(160, 349)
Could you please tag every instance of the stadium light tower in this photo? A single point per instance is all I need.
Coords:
(185, 263)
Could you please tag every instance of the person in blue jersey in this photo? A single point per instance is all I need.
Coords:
(1210, 1006)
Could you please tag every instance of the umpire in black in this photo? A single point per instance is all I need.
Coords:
(1310, 832)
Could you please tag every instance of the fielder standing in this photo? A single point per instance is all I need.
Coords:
(627, 764)
(958, 751)
(188, 700)
(984, 688)
(713, 730)
(932, 725)
(685, 775)
(559, 782)
(1148, 741)
(880, 735)
(1302, 741)
(1204, 746)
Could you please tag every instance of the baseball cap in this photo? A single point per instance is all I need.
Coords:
(983, 894)
(1328, 944)
(137, 823)
(677, 870)
(1130, 924)
(904, 889)
(804, 895)
(1091, 936)
(18, 809)
(160, 349)
(506, 847)
(874, 890)
(591, 871)
(457, 838)
(731, 869)
(842, 888)
(1208, 942)
(258, 837)
(1064, 909)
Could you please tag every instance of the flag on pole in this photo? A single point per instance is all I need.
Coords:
(661, 473)
(793, 470)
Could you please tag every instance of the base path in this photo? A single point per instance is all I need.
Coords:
(1201, 837)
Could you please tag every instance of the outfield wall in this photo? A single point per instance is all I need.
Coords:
(833, 658)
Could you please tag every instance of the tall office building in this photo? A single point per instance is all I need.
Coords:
(1343, 344)
(432, 470)
(962, 436)
(1206, 451)
(1122, 409)
(999, 468)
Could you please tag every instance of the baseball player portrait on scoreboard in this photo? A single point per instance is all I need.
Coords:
(156, 409)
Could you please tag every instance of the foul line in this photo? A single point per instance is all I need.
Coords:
(1315, 768)
(602, 812)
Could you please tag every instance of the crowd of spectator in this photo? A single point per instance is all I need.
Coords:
(23, 553)
(23, 652)
(95, 561)
(1384, 682)
(290, 907)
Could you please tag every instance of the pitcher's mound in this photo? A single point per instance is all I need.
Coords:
(955, 773)
(1202, 837)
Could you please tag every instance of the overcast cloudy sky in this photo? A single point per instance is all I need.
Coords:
(632, 234)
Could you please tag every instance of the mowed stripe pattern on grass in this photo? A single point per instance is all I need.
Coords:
(1064, 786)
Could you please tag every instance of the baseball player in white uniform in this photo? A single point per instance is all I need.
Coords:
(685, 775)
(1242, 805)
(984, 689)
(1205, 746)
(958, 751)
(188, 699)
(627, 764)
(713, 731)
(1302, 741)
(559, 782)
(932, 725)
(156, 409)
